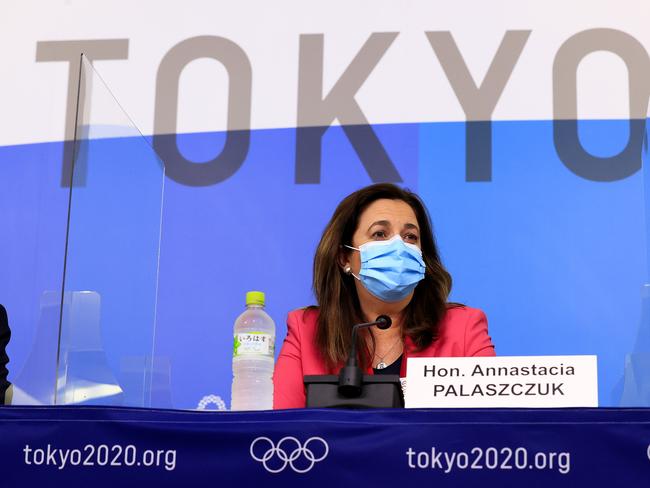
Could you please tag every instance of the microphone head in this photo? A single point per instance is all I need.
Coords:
(384, 322)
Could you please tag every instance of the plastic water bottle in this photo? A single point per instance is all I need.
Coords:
(252, 359)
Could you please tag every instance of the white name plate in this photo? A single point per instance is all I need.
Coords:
(506, 381)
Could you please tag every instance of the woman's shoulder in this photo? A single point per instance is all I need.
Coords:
(458, 318)
(462, 313)
(303, 317)
(467, 328)
(302, 324)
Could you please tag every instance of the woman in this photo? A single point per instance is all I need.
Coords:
(377, 256)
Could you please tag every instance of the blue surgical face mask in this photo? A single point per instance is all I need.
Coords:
(391, 269)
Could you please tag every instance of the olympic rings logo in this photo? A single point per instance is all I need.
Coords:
(289, 451)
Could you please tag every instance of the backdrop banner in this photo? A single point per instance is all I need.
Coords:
(521, 125)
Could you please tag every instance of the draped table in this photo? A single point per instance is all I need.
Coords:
(103, 446)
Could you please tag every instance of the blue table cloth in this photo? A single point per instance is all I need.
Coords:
(95, 446)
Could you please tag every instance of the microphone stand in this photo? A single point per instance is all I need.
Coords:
(351, 376)
(351, 388)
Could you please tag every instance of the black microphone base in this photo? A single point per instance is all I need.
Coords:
(377, 391)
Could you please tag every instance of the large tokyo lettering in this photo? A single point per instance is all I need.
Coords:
(317, 111)
(316, 114)
(240, 76)
(478, 102)
(70, 52)
(565, 101)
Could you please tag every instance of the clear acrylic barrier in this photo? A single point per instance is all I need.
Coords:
(111, 270)
(636, 380)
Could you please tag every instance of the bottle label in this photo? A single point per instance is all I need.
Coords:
(257, 343)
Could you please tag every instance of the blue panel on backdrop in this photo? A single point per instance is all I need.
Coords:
(555, 260)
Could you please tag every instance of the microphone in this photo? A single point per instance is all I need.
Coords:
(350, 376)
(383, 322)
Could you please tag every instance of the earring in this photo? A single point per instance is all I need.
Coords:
(347, 270)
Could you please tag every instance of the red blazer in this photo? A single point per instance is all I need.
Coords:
(463, 332)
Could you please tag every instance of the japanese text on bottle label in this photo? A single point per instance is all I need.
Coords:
(257, 343)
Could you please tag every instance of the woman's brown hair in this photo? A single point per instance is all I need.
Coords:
(336, 293)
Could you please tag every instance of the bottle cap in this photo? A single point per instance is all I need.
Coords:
(255, 298)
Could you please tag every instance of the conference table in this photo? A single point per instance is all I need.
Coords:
(109, 447)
